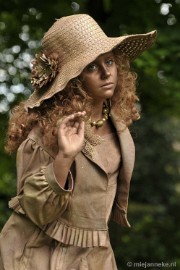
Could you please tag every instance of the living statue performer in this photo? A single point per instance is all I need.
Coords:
(75, 154)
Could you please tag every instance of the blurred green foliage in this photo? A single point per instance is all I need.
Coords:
(155, 188)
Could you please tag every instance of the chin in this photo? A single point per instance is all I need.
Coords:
(109, 94)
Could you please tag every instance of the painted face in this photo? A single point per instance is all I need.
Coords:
(99, 78)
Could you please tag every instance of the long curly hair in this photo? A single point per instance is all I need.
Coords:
(72, 99)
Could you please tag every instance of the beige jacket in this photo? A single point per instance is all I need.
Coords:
(75, 216)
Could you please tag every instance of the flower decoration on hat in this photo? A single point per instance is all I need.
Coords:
(44, 69)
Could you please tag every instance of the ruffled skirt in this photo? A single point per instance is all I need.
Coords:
(23, 246)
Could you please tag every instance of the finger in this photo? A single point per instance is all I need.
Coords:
(79, 114)
(80, 129)
(69, 120)
(61, 123)
(70, 128)
(73, 123)
(71, 117)
(78, 117)
(74, 128)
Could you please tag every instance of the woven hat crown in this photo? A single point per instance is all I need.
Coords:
(71, 36)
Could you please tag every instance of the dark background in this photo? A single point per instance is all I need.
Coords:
(155, 188)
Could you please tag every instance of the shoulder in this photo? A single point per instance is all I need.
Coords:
(118, 124)
(34, 143)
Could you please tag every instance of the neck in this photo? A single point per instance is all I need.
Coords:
(97, 107)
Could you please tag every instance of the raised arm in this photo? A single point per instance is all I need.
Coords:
(70, 132)
(42, 196)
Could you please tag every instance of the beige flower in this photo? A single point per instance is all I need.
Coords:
(44, 69)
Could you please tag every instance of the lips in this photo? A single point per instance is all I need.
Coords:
(107, 85)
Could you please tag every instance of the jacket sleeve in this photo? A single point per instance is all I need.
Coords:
(40, 197)
(119, 211)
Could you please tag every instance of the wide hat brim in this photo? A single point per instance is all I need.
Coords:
(130, 45)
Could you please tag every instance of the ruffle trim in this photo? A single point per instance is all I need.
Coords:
(14, 204)
(75, 236)
(68, 234)
(120, 217)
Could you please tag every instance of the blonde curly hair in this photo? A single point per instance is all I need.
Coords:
(72, 99)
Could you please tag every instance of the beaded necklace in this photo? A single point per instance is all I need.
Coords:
(91, 139)
(100, 122)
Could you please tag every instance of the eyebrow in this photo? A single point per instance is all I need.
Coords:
(109, 54)
(106, 56)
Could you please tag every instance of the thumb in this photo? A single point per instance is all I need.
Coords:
(80, 130)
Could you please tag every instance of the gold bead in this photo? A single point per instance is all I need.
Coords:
(105, 110)
(99, 123)
(93, 123)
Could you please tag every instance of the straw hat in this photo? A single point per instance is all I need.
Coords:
(69, 46)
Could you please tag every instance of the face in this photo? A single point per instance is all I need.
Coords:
(99, 78)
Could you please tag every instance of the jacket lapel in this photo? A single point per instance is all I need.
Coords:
(125, 173)
(125, 140)
(127, 148)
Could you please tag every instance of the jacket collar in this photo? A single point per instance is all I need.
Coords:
(125, 141)
(126, 146)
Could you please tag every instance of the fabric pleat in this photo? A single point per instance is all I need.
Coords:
(14, 204)
(80, 237)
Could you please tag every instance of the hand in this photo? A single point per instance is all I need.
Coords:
(70, 132)
(135, 114)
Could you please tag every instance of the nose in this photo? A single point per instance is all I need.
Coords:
(105, 73)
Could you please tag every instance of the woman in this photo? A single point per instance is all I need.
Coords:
(75, 153)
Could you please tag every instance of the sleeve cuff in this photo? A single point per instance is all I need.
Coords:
(120, 216)
(52, 181)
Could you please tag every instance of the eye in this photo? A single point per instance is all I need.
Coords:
(91, 67)
(109, 62)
